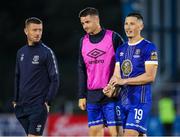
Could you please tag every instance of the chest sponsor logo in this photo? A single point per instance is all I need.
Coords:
(126, 67)
(22, 57)
(35, 59)
(95, 54)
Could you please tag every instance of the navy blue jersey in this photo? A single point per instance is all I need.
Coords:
(36, 75)
(132, 59)
(96, 96)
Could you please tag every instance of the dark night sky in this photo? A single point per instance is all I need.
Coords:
(62, 31)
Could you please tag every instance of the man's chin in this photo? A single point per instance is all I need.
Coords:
(130, 37)
(89, 32)
(36, 42)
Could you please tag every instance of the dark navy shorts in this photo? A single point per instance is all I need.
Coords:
(32, 118)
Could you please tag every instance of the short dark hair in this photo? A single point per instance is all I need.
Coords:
(34, 20)
(135, 14)
(88, 11)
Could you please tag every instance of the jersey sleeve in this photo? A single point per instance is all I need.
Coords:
(151, 56)
(53, 73)
(82, 75)
(117, 54)
(16, 80)
(117, 40)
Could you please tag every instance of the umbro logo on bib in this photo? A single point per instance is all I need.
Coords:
(95, 53)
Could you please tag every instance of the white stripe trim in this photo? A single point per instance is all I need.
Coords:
(95, 122)
(138, 126)
(54, 61)
(114, 122)
(151, 62)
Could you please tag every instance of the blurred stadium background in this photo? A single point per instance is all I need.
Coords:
(62, 31)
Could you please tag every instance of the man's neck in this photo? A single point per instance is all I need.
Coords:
(96, 31)
(32, 43)
(134, 39)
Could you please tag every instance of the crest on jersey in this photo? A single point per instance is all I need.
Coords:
(22, 57)
(137, 53)
(126, 67)
(35, 59)
(154, 55)
(38, 128)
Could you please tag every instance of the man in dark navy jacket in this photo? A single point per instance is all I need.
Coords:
(36, 80)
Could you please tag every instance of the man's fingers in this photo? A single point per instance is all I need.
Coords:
(114, 84)
(104, 91)
(111, 82)
(82, 104)
(106, 88)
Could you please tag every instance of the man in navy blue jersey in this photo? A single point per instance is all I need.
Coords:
(36, 80)
(135, 70)
(96, 65)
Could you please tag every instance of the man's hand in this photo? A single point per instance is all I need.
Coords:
(14, 104)
(47, 106)
(82, 103)
(108, 90)
(115, 81)
(111, 91)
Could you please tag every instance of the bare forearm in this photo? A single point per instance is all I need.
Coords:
(141, 79)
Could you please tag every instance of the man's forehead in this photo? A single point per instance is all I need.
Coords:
(34, 26)
(132, 18)
(88, 17)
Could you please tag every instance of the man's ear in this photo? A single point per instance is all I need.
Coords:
(25, 31)
(142, 26)
(97, 19)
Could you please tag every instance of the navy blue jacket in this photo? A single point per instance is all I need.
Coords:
(36, 75)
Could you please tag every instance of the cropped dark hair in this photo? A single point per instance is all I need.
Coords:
(88, 11)
(33, 20)
(135, 14)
